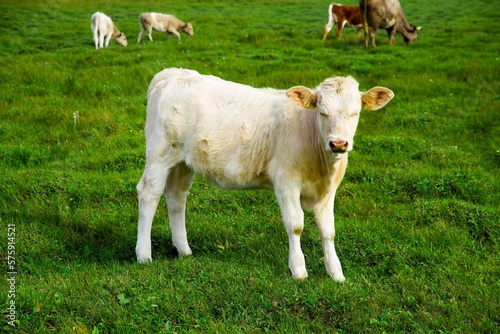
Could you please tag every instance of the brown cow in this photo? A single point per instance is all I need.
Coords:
(388, 15)
(343, 15)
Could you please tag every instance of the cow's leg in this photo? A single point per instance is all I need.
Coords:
(391, 32)
(293, 218)
(179, 182)
(96, 38)
(106, 40)
(149, 190)
(323, 214)
(339, 30)
(372, 36)
(140, 34)
(366, 29)
(328, 27)
(101, 40)
(150, 29)
(175, 32)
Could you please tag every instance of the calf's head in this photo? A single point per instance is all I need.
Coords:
(121, 39)
(188, 29)
(338, 102)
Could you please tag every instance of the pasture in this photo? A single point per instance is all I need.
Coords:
(417, 215)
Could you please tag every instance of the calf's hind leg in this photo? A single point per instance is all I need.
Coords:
(149, 190)
(101, 40)
(179, 181)
(96, 38)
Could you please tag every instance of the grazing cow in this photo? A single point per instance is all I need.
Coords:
(163, 22)
(103, 30)
(388, 15)
(344, 16)
(239, 137)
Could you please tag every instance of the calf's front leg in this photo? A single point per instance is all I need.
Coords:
(391, 32)
(323, 213)
(293, 218)
(174, 32)
(150, 30)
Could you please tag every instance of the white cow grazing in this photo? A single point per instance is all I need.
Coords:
(164, 23)
(103, 30)
(240, 137)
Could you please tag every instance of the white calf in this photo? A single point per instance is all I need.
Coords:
(239, 137)
(163, 22)
(103, 30)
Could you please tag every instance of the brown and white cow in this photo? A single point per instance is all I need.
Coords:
(344, 16)
(239, 137)
(388, 15)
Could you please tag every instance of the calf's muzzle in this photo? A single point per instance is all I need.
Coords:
(339, 146)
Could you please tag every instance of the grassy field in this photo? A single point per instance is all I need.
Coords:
(417, 215)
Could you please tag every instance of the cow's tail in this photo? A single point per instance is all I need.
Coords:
(331, 17)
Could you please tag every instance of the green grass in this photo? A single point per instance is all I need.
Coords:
(416, 215)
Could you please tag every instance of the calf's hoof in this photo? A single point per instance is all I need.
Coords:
(144, 259)
(338, 278)
(299, 275)
(184, 252)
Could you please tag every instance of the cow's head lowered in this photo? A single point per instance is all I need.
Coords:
(338, 102)
(410, 34)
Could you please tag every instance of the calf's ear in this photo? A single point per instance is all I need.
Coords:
(303, 96)
(376, 98)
